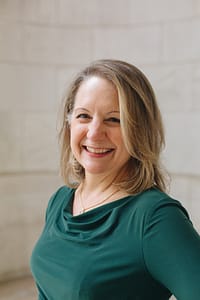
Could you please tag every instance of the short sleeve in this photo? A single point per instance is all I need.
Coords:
(171, 249)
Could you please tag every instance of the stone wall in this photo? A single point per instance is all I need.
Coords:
(42, 44)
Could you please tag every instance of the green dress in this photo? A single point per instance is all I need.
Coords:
(139, 247)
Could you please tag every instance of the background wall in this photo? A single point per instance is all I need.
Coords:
(42, 44)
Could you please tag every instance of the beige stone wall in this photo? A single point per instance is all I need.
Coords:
(42, 44)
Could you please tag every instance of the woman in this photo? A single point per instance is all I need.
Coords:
(112, 232)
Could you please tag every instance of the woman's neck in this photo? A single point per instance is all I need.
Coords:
(95, 191)
(98, 183)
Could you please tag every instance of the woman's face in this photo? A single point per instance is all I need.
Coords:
(96, 138)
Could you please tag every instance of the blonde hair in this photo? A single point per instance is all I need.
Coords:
(141, 125)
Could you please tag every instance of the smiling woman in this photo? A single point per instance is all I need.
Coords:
(96, 137)
(112, 231)
(125, 91)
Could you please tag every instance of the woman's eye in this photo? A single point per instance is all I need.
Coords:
(114, 120)
(82, 116)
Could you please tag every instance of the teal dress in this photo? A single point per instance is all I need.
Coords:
(139, 247)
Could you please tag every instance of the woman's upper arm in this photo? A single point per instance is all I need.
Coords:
(171, 249)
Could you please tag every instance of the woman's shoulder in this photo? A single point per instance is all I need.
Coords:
(57, 199)
(153, 196)
(153, 200)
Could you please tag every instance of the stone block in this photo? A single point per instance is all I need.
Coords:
(23, 204)
(195, 88)
(10, 141)
(38, 11)
(116, 12)
(156, 11)
(29, 142)
(181, 41)
(39, 142)
(64, 76)
(11, 37)
(36, 184)
(17, 245)
(27, 88)
(92, 12)
(10, 10)
(39, 44)
(136, 45)
(77, 12)
(186, 189)
(172, 85)
(25, 197)
(23, 209)
(56, 45)
(182, 143)
(13, 251)
(179, 189)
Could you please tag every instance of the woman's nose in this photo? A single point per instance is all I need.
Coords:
(96, 129)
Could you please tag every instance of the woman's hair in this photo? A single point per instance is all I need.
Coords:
(141, 126)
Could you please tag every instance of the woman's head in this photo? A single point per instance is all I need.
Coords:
(140, 123)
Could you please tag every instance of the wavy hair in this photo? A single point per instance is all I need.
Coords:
(141, 125)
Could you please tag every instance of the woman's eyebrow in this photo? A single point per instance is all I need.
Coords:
(85, 109)
(113, 111)
(81, 108)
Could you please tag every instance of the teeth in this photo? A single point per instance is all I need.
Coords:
(97, 150)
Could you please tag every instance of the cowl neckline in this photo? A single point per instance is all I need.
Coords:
(89, 225)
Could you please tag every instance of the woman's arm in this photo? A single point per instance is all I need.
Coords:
(172, 250)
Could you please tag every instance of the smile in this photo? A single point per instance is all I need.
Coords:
(97, 150)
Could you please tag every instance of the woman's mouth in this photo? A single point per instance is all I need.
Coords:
(97, 150)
